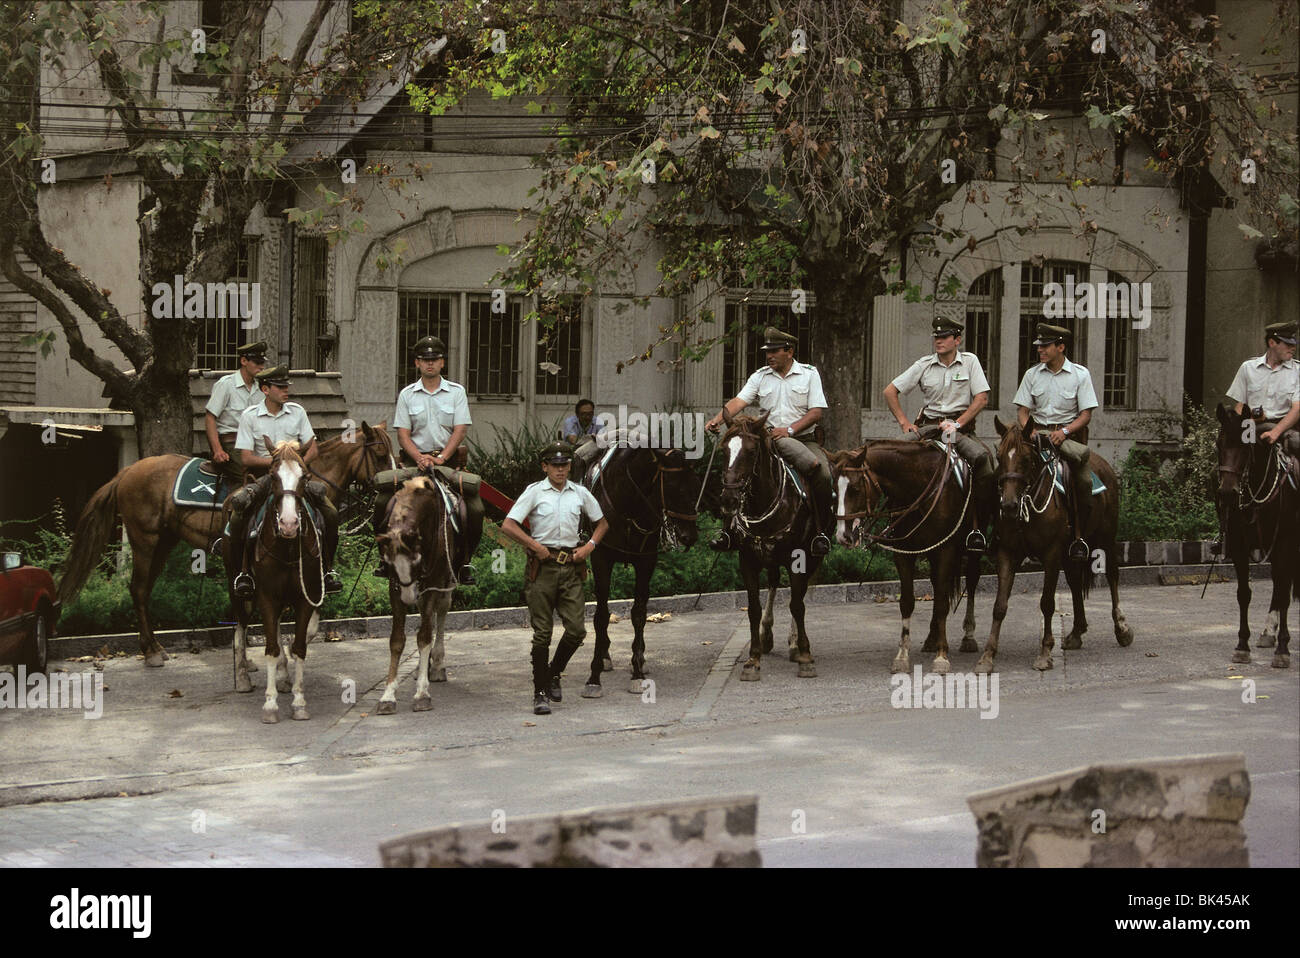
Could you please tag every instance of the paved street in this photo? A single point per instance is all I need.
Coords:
(210, 785)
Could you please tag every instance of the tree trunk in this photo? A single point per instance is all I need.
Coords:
(839, 349)
(163, 418)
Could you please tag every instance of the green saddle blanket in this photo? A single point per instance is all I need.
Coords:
(197, 488)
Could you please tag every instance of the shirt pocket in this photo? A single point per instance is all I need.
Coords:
(418, 412)
(444, 408)
(799, 395)
(544, 510)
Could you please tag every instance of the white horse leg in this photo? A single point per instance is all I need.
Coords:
(270, 708)
(903, 661)
(300, 713)
(1268, 638)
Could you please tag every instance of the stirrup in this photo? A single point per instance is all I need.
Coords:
(1079, 551)
(333, 583)
(820, 545)
(244, 586)
(975, 542)
(722, 543)
(466, 575)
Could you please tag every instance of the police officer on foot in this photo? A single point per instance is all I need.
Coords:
(432, 418)
(791, 393)
(1271, 384)
(1059, 397)
(954, 391)
(557, 565)
(231, 395)
(276, 419)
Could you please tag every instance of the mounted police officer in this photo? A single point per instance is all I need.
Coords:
(954, 391)
(579, 431)
(1058, 396)
(432, 418)
(1270, 385)
(275, 419)
(791, 393)
(231, 395)
(553, 508)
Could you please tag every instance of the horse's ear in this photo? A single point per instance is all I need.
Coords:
(1027, 429)
(270, 446)
(1001, 426)
(366, 430)
(762, 420)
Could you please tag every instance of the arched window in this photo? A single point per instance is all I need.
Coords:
(983, 321)
(1032, 298)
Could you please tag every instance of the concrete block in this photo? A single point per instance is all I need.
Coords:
(835, 593)
(691, 833)
(1173, 553)
(510, 618)
(1191, 553)
(1157, 813)
(1155, 553)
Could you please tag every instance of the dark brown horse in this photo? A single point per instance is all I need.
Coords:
(288, 569)
(1034, 521)
(142, 494)
(1259, 508)
(418, 546)
(647, 495)
(775, 527)
(930, 519)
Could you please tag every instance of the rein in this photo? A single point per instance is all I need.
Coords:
(930, 492)
(270, 551)
(661, 512)
(747, 522)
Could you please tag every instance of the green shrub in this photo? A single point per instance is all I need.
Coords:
(1171, 498)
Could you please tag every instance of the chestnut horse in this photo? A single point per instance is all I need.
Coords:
(932, 515)
(142, 494)
(418, 545)
(1259, 508)
(1034, 520)
(775, 528)
(646, 494)
(288, 569)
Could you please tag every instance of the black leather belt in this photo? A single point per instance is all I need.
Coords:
(562, 556)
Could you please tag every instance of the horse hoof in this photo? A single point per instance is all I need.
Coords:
(439, 675)
(270, 715)
(155, 660)
(1281, 661)
(592, 690)
(635, 686)
(1072, 642)
(940, 667)
(422, 703)
(984, 666)
(243, 683)
(1043, 663)
(1241, 655)
(807, 670)
(607, 665)
(901, 663)
(969, 645)
(386, 707)
(1266, 641)
(1124, 637)
(301, 714)
(750, 673)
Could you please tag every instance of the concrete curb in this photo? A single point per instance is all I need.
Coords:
(517, 617)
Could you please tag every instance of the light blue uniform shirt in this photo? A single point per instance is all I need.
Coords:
(257, 422)
(948, 390)
(431, 416)
(786, 398)
(1275, 389)
(554, 514)
(1056, 398)
(230, 397)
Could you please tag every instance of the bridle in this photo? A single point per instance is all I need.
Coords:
(1033, 484)
(887, 538)
(304, 519)
(743, 488)
(382, 443)
(661, 527)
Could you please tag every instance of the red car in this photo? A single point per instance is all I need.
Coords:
(29, 612)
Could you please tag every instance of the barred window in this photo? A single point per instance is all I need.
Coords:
(493, 347)
(983, 326)
(1119, 390)
(1032, 298)
(559, 344)
(218, 337)
(745, 321)
(308, 349)
(420, 315)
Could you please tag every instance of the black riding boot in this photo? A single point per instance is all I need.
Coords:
(984, 495)
(1079, 549)
(333, 583)
(541, 680)
(563, 652)
(473, 533)
(821, 543)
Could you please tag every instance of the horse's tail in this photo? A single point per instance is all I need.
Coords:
(91, 536)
